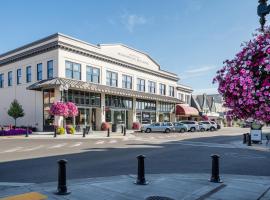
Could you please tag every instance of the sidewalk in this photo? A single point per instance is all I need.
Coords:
(77, 135)
(173, 186)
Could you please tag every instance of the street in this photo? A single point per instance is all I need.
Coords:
(35, 160)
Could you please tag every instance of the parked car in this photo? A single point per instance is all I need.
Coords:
(192, 125)
(166, 127)
(209, 125)
(202, 127)
(180, 127)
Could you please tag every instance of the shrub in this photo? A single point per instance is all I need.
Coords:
(70, 129)
(136, 125)
(105, 126)
(60, 131)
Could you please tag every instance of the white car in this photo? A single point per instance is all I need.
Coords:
(192, 125)
(165, 127)
(209, 125)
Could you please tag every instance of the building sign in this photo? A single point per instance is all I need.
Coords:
(133, 58)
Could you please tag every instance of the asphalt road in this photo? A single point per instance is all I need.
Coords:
(35, 160)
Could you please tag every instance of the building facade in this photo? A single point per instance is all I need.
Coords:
(109, 83)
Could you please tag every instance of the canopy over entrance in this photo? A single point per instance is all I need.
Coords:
(185, 110)
(81, 85)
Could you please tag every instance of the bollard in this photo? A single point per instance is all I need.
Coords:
(141, 172)
(249, 139)
(122, 129)
(84, 130)
(27, 131)
(215, 169)
(108, 132)
(244, 138)
(55, 133)
(125, 131)
(62, 178)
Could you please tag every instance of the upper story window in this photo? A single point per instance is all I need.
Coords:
(39, 71)
(162, 89)
(187, 99)
(50, 69)
(111, 79)
(1, 80)
(171, 91)
(151, 87)
(10, 78)
(19, 76)
(73, 70)
(92, 74)
(141, 85)
(127, 82)
(28, 74)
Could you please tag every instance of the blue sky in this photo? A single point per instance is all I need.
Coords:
(188, 37)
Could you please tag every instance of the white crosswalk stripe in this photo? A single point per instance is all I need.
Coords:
(13, 150)
(112, 141)
(33, 148)
(57, 146)
(100, 142)
(76, 144)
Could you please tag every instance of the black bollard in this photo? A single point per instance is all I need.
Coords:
(27, 132)
(249, 139)
(108, 132)
(55, 132)
(215, 169)
(244, 138)
(122, 129)
(141, 173)
(84, 131)
(125, 131)
(62, 178)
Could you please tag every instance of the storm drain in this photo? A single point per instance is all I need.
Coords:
(158, 198)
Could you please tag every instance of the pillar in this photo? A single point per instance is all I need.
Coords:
(101, 112)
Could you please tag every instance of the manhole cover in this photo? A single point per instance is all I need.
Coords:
(158, 198)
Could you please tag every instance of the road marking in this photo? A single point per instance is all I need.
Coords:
(100, 142)
(13, 150)
(34, 148)
(57, 146)
(27, 196)
(112, 141)
(76, 144)
(125, 139)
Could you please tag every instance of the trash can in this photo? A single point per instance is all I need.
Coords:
(114, 127)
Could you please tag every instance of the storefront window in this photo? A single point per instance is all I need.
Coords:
(118, 102)
(146, 111)
(48, 99)
(81, 98)
(166, 107)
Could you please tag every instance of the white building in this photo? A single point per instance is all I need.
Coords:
(109, 83)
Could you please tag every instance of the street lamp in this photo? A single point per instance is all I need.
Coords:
(263, 10)
(63, 88)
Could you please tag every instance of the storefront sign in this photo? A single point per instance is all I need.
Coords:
(256, 135)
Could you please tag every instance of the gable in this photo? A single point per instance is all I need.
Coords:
(129, 55)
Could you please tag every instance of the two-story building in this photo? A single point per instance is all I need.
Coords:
(109, 83)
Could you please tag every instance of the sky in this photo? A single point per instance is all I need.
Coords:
(191, 38)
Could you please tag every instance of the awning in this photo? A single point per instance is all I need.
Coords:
(86, 86)
(186, 110)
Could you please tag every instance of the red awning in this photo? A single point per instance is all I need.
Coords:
(186, 110)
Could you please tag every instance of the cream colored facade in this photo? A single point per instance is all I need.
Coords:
(59, 49)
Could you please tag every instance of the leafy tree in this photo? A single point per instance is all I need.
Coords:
(15, 110)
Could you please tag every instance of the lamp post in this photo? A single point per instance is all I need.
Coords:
(63, 88)
(263, 10)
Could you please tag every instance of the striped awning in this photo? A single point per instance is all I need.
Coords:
(185, 110)
(86, 86)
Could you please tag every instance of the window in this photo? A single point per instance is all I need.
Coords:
(171, 91)
(92, 74)
(111, 79)
(1, 80)
(28, 74)
(127, 82)
(50, 69)
(118, 102)
(10, 78)
(162, 89)
(165, 107)
(141, 85)
(73, 70)
(187, 99)
(39, 71)
(151, 87)
(19, 76)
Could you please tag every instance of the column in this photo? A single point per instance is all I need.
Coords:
(100, 114)
(58, 120)
(132, 114)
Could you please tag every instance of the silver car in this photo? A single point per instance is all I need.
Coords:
(165, 127)
(180, 127)
(210, 127)
(192, 125)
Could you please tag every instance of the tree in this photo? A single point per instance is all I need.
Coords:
(244, 82)
(15, 110)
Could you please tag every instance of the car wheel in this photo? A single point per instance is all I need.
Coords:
(202, 129)
(167, 130)
(212, 129)
(148, 130)
(182, 130)
(192, 129)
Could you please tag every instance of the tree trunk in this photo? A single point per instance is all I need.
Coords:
(15, 122)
